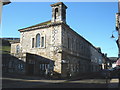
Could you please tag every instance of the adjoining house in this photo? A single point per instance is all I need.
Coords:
(113, 61)
(52, 47)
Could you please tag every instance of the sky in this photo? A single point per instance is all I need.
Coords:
(95, 21)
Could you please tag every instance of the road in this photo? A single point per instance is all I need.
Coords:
(28, 83)
(37, 82)
(88, 83)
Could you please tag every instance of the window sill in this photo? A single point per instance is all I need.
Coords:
(38, 48)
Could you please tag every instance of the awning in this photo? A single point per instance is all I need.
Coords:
(118, 62)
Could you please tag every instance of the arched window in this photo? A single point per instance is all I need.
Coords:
(38, 40)
(56, 13)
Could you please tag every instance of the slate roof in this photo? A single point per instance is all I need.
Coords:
(113, 59)
(40, 24)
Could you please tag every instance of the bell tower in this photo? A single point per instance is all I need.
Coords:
(59, 12)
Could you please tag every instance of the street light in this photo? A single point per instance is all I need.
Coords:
(117, 41)
(118, 61)
(112, 34)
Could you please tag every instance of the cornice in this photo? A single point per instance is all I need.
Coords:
(40, 27)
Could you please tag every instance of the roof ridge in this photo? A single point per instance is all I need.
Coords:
(39, 24)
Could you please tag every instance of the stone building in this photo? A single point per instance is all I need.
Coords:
(96, 59)
(52, 47)
(113, 61)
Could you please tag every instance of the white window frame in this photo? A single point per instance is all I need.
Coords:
(33, 43)
(17, 49)
(37, 41)
(43, 42)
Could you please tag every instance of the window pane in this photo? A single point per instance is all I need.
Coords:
(32, 42)
(17, 49)
(68, 43)
(42, 43)
(38, 40)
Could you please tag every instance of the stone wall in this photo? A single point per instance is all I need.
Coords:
(70, 52)
(14, 47)
(77, 44)
(96, 59)
(52, 46)
(75, 53)
(12, 64)
(38, 65)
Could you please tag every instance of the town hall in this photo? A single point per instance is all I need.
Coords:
(54, 48)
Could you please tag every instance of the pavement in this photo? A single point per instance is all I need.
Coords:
(34, 83)
(26, 83)
(38, 82)
(113, 83)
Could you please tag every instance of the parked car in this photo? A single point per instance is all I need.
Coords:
(114, 72)
(105, 73)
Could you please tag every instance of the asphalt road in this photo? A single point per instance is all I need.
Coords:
(25, 83)
(89, 83)
(14, 81)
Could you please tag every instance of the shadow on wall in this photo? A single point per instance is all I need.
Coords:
(38, 65)
(11, 64)
(30, 65)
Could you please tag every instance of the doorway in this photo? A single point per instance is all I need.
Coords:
(30, 69)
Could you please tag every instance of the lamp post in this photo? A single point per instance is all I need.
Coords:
(118, 40)
(112, 34)
(117, 28)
